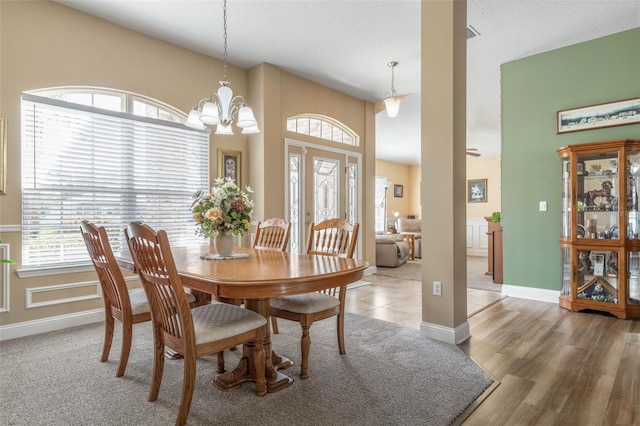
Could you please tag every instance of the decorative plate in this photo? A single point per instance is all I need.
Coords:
(581, 231)
(613, 232)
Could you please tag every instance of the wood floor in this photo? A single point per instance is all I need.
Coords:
(555, 367)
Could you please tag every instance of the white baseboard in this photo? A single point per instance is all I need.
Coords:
(531, 293)
(446, 334)
(29, 328)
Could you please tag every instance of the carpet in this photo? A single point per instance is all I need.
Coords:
(391, 375)
(476, 278)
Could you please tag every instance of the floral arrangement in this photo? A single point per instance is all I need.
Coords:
(224, 210)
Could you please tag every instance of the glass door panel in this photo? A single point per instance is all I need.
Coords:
(597, 196)
(597, 276)
(566, 198)
(633, 188)
(566, 272)
(633, 279)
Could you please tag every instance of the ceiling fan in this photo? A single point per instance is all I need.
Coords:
(472, 152)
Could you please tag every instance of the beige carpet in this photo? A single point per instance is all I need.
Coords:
(390, 375)
(476, 278)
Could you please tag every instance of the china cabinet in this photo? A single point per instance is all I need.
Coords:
(600, 243)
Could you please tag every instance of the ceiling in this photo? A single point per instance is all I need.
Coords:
(346, 45)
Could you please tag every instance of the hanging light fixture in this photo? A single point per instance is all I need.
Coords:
(221, 108)
(391, 99)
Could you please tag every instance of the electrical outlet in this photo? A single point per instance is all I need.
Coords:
(543, 206)
(437, 288)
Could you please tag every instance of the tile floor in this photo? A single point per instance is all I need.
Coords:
(400, 301)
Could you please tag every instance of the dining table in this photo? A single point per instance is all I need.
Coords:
(255, 276)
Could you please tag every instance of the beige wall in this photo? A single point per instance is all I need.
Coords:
(485, 168)
(83, 50)
(398, 174)
(409, 176)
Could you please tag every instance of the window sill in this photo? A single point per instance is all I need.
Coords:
(54, 270)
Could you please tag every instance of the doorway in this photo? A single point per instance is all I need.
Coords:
(322, 183)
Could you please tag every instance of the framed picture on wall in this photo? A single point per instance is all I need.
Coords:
(398, 191)
(610, 114)
(477, 191)
(230, 165)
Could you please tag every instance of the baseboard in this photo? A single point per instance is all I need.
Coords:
(454, 336)
(531, 293)
(29, 328)
(372, 269)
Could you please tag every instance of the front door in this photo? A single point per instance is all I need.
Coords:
(322, 184)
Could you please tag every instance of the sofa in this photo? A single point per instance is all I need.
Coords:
(412, 227)
(391, 250)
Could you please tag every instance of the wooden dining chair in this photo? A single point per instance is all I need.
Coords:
(203, 330)
(332, 237)
(127, 306)
(272, 234)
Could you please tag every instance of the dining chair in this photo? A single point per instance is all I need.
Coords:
(127, 306)
(203, 330)
(272, 234)
(332, 237)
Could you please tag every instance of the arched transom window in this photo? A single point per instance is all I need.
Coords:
(322, 127)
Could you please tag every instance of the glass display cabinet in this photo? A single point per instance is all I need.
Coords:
(600, 243)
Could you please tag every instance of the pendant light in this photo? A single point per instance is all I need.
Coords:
(391, 99)
(222, 108)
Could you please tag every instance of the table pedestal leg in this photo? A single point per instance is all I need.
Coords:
(245, 370)
(280, 362)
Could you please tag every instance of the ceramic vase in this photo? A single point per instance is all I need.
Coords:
(223, 244)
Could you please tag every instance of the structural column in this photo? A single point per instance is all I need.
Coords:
(443, 188)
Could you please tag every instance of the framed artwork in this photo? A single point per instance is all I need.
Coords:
(3, 156)
(230, 165)
(610, 114)
(477, 191)
(398, 190)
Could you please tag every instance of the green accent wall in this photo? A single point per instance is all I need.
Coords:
(533, 90)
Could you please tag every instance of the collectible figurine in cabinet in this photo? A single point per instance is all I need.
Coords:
(584, 262)
(612, 264)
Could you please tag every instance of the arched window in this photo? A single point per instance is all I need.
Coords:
(322, 127)
(110, 157)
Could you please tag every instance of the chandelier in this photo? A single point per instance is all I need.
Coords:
(391, 99)
(222, 108)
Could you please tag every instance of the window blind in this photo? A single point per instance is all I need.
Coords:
(81, 162)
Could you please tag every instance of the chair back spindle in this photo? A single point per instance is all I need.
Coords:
(332, 237)
(272, 234)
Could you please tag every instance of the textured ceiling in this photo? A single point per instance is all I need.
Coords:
(346, 45)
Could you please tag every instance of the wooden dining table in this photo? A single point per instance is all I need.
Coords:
(257, 278)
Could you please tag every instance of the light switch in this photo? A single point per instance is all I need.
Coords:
(543, 206)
